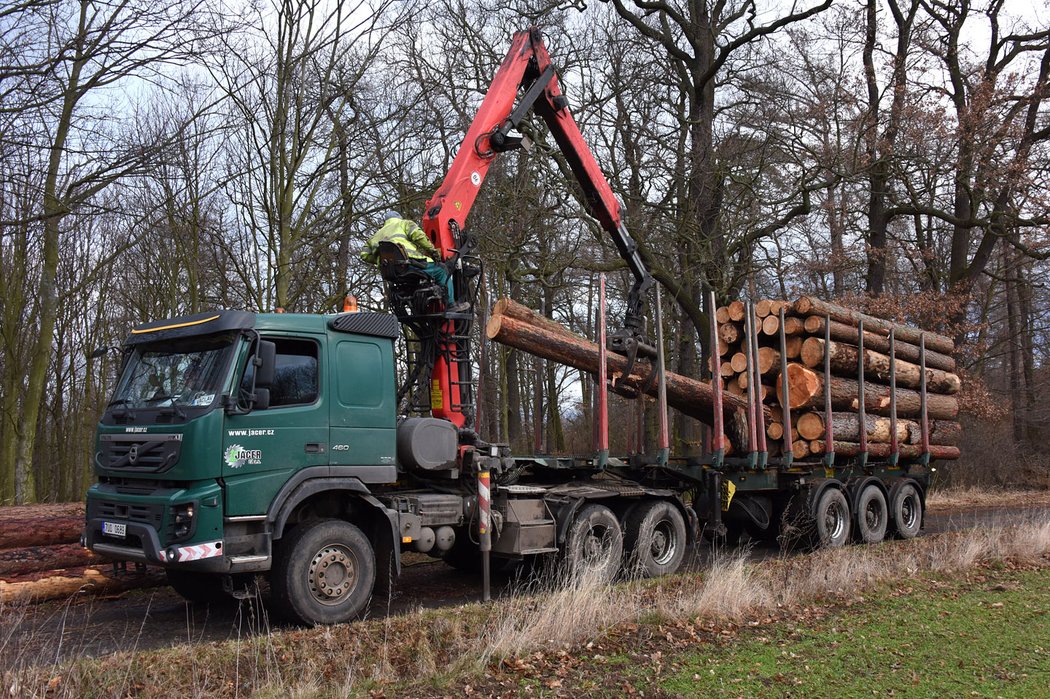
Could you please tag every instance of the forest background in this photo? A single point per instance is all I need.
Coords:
(160, 159)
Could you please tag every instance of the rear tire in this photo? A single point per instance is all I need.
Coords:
(197, 588)
(655, 539)
(872, 515)
(323, 572)
(831, 518)
(906, 511)
(594, 545)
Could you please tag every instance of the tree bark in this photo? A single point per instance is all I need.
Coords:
(807, 391)
(877, 366)
(881, 451)
(30, 559)
(811, 426)
(40, 525)
(814, 325)
(808, 305)
(36, 587)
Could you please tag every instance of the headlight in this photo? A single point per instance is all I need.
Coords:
(183, 520)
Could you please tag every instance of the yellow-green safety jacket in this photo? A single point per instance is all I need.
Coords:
(405, 233)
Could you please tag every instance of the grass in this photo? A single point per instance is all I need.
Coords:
(948, 637)
(549, 640)
(968, 497)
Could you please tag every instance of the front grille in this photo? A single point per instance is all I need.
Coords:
(152, 515)
(145, 453)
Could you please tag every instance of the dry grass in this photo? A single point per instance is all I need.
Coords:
(430, 651)
(968, 497)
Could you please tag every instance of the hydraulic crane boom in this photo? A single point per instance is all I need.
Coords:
(526, 68)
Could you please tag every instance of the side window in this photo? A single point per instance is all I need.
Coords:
(295, 377)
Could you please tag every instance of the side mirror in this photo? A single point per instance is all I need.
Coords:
(265, 363)
(262, 399)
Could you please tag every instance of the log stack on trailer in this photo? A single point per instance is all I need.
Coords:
(844, 369)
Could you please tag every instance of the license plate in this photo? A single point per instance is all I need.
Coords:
(115, 529)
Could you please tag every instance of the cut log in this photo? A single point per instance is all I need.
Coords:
(730, 333)
(739, 362)
(807, 391)
(736, 310)
(808, 305)
(722, 315)
(724, 348)
(846, 427)
(843, 358)
(800, 448)
(691, 397)
(768, 360)
(793, 345)
(775, 430)
(40, 525)
(763, 307)
(725, 370)
(29, 559)
(814, 325)
(881, 451)
(944, 432)
(770, 325)
(95, 580)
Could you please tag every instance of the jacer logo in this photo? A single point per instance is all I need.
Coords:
(237, 456)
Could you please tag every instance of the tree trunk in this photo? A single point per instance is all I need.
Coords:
(36, 587)
(30, 559)
(40, 525)
(808, 305)
(881, 451)
(692, 397)
(814, 325)
(807, 391)
(877, 366)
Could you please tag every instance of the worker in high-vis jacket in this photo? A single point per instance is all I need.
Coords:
(417, 246)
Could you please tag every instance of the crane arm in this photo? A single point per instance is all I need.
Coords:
(527, 68)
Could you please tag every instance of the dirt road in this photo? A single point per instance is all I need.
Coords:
(158, 617)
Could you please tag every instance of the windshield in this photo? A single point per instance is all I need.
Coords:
(185, 374)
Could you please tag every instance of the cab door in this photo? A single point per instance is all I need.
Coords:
(363, 408)
(264, 447)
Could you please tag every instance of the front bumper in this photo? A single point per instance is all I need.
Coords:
(148, 526)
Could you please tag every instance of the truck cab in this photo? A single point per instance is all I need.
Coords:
(222, 425)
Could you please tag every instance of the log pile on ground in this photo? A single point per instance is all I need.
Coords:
(41, 557)
(806, 324)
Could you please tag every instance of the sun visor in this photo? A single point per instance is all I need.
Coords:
(207, 323)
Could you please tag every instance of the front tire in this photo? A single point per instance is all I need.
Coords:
(831, 518)
(594, 545)
(655, 539)
(323, 572)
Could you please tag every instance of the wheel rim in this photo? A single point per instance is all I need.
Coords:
(597, 545)
(333, 574)
(873, 515)
(664, 543)
(834, 521)
(909, 511)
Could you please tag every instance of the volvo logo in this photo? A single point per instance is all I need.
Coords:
(133, 454)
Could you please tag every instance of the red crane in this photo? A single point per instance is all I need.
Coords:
(527, 70)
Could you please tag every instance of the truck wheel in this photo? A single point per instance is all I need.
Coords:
(323, 572)
(831, 518)
(197, 588)
(594, 544)
(906, 511)
(655, 538)
(872, 515)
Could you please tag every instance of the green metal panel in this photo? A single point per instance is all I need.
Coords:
(261, 449)
(364, 408)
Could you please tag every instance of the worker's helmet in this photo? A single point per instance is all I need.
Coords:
(391, 214)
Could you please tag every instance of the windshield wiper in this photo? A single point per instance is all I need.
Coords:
(118, 401)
